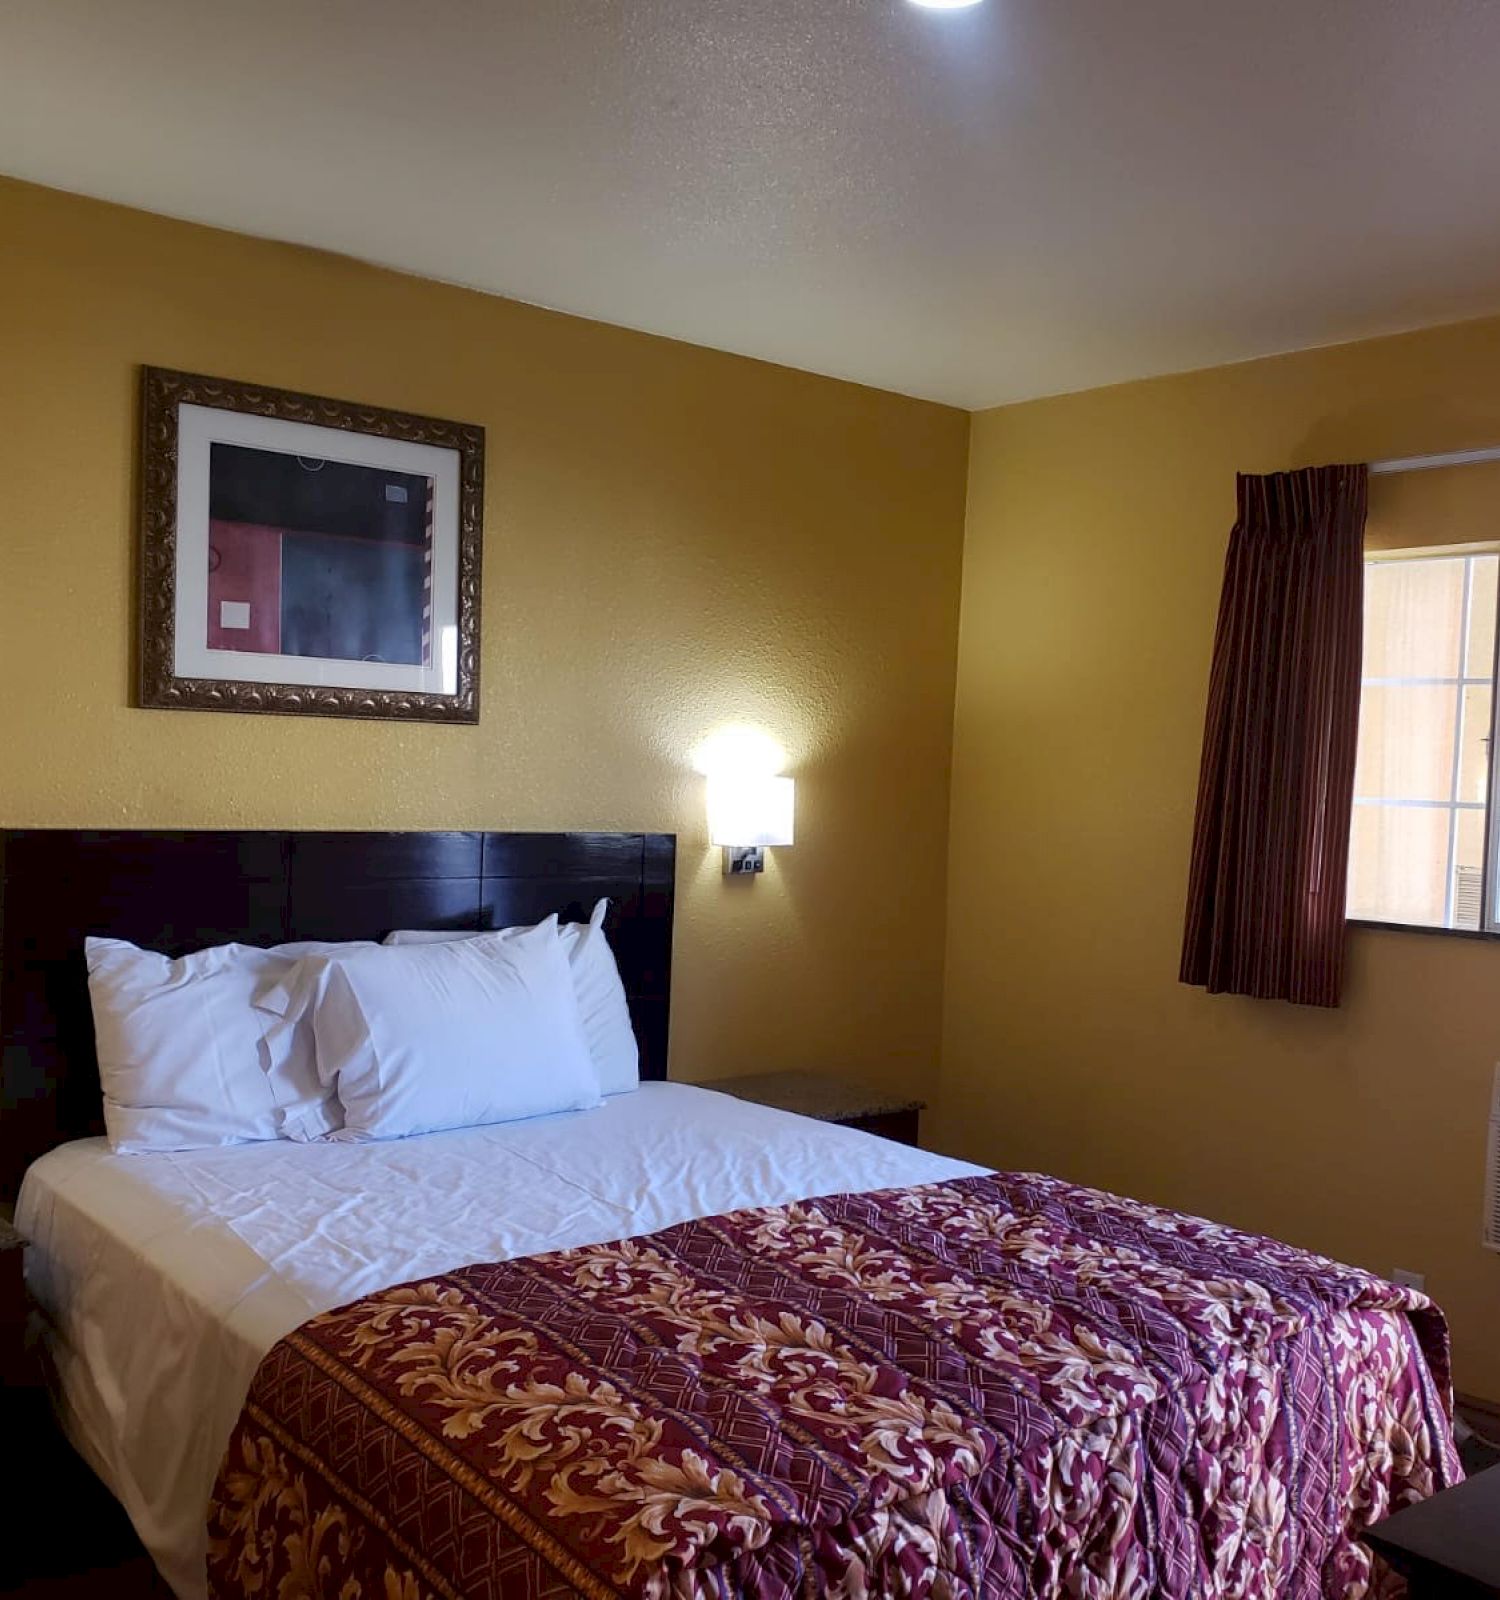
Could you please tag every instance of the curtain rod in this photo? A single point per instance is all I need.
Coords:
(1454, 458)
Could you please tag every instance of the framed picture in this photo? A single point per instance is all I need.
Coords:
(306, 555)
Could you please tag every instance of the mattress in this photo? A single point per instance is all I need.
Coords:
(165, 1279)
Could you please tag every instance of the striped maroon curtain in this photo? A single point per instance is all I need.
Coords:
(1265, 911)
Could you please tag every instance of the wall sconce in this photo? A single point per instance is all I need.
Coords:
(747, 812)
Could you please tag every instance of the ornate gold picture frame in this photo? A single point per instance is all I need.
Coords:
(306, 556)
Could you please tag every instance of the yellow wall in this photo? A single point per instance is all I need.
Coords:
(674, 538)
(1097, 526)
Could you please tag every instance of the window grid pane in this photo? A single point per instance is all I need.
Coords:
(1417, 835)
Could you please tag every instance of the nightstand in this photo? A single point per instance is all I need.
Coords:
(16, 1371)
(1447, 1546)
(829, 1099)
(22, 1412)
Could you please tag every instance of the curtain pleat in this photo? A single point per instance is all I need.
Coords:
(1266, 889)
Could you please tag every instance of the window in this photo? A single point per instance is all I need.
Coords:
(1420, 850)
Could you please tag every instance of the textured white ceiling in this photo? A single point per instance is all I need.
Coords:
(977, 206)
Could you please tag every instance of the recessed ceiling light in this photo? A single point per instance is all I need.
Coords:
(944, 5)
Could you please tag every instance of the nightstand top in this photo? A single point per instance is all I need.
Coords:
(817, 1094)
(1456, 1531)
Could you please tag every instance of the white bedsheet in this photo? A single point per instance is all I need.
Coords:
(166, 1278)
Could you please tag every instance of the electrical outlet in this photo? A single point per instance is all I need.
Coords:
(1410, 1280)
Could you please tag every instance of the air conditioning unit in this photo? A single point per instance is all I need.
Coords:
(1492, 1172)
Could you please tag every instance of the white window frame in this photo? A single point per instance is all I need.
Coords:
(1489, 920)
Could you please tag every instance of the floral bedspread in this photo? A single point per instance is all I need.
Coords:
(1003, 1386)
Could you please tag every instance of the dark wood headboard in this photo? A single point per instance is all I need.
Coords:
(177, 892)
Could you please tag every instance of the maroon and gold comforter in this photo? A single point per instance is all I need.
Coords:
(1003, 1386)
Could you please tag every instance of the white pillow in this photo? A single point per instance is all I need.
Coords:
(596, 981)
(185, 1059)
(446, 1035)
(307, 1107)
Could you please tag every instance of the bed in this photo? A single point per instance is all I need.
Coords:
(676, 1344)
